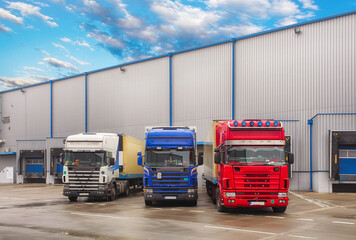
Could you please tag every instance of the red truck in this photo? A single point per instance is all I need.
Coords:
(250, 166)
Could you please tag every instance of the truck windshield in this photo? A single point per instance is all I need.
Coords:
(169, 158)
(255, 155)
(85, 159)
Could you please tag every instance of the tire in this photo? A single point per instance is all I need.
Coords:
(279, 209)
(194, 203)
(213, 195)
(127, 189)
(73, 199)
(148, 203)
(220, 207)
(112, 196)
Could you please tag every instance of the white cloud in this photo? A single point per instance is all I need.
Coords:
(185, 19)
(240, 30)
(44, 52)
(7, 15)
(33, 68)
(284, 7)
(309, 4)
(286, 21)
(60, 46)
(40, 77)
(149, 34)
(17, 82)
(104, 38)
(28, 10)
(255, 7)
(41, 4)
(83, 44)
(80, 62)
(3, 28)
(67, 40)
(58, 63)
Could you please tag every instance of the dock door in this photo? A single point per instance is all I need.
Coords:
(56, 168)
(343, 160)
(32, 165)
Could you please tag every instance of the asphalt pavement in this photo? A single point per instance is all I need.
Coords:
(39, 211)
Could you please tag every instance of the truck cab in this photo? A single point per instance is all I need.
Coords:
(251, 165)
(170, 164)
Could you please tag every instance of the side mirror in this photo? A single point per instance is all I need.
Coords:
(216, 149)
(217, 158)
(139, 160)
(290, 158)
(200, 158)
(112, 161)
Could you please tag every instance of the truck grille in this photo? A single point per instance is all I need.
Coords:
(257, 180)
(83, 181)
(170, 182)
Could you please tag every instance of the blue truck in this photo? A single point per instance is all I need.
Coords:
(170, 164)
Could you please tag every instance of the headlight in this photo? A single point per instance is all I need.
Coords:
(230, 194)
(101, 188)
(191, 190)
(282, 194)
(149, 190)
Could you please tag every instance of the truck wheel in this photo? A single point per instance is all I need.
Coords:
(73, 199)
(220, 207)
(213, 195)
(279, 209)
(127, 189)
(112, 196)
(148, 203)
(194, 203)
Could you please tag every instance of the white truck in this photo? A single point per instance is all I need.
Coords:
(100, 165)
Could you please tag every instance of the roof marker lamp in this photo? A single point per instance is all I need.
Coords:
(236, 123)
(252, 123)
(259, 123)
(243, 123)
(275, 123)
(268, 123)
(158, 148)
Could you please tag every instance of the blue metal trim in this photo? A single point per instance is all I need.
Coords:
(310, 122)
(7, 153)
(233, 78)
(170, 89)
(51, 94)
(195, 48)
(86, 102)
(204, 143)
(24, 140)
(320, 114)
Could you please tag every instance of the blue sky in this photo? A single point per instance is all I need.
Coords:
(43, 40)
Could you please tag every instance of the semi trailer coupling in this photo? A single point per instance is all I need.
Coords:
(170, 164)
(250, 166)
(100, 165)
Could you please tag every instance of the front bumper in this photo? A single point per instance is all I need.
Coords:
(94, 193)
(249, 201)
(170, 196)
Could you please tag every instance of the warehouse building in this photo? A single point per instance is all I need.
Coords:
(302, 75)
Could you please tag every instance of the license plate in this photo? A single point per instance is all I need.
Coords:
(170, 197)
(83, 194)
(257, 203)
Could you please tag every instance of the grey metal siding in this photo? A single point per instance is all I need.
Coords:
(68, 106)
(127, 101)
(285, 75)
(202, 87)
(13, 106)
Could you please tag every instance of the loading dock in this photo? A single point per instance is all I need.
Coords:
(56, 168)
(343, 160)
(32, 165)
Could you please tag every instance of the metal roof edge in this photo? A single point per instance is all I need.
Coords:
(7, 153)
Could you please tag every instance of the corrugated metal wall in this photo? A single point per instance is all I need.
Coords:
(68, 106)
(285, 75)
(202, 90)
(126, 102)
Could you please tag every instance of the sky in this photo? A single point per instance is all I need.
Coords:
(45, 40)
